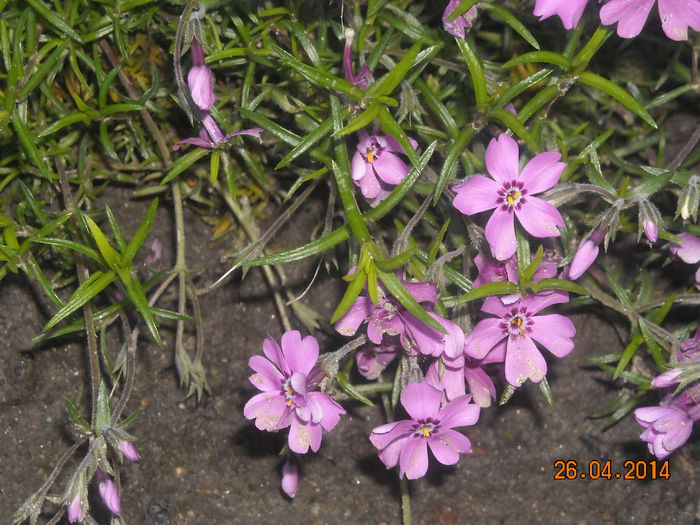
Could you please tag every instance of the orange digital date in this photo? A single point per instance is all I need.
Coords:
(595, 469)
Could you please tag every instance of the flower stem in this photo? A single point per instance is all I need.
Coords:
(405, 502)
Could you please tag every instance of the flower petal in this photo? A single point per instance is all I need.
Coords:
(677, 15)
(500, 234)
(459, 412)
(267, 409)
(540, 218)
(539, 301)
(475, 195)
(554, 332)
(304, 435)
(447, 444)
(502, 158)
(413, 460)
(267, 377)
(542, 172)
(274, 353)
(483, 338)
(301, 354)
(360, 310)
(330, 410)
(421, 400)
(630, 15)
(523, 361)
(390, 168)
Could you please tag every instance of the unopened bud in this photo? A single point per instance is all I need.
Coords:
(689, 200)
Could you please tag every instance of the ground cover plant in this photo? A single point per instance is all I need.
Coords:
(481, 173)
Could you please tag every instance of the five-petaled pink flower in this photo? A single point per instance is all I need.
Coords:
(520, 327)
(286, 377)
(630, 16)
(376, 167)
(511, 194)
(570, 11)
(406, 442)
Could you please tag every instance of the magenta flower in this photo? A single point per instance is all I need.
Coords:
(586, 254)
(286, 377)
(376, 167)
(290, 478)
(75, 510)
(406, 442)
(511, 194)
(570, 11)
(129, 450)
(364, 76)
(520, 327)
(109, 492)
(460, 25)
(688, 251)
(631, 15)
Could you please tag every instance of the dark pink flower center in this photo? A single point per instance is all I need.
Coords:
(425, 428)
(512, 195)
(516, 323)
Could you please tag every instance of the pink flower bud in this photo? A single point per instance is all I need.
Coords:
(109, 492)
(127, 448)
(200, 80)
(75, 510)
(290, 478)
(586, 254)
(651, 230)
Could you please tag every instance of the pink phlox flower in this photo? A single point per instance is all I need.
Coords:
(75, 510)
(688, 251)
(290, 478)
(388, 316)
(376, 167)
(510, 192)
(286, 376)
(631, 15)
(109, 492)
(372, 361)
(460, 25)
(586, 254)
(520, 327)
(431, 426)
(569, 11)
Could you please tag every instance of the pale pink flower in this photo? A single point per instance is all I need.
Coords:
(569, 11)
(406, 442)
(631, 15)
(511, 194)
(586, 254)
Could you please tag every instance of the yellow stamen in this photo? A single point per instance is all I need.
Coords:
(370, 157)
(426, 432)
(289, 403)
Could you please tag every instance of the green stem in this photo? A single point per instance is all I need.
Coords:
(405, 502)
(591, 48)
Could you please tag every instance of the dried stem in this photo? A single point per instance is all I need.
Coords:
(91, 335)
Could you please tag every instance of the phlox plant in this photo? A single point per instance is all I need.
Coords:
(491, 171)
